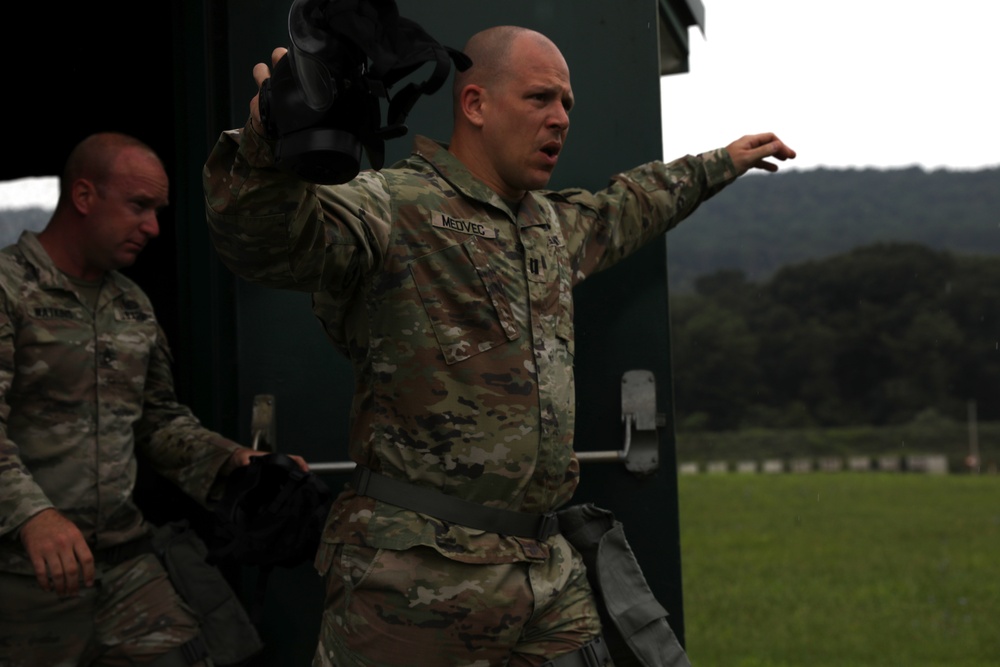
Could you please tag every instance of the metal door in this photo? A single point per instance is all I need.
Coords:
(621, 315)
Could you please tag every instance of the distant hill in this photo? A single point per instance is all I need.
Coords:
(764, 221)
(14, 221)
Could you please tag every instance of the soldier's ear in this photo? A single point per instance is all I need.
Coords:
(471, 101)
(83, 192)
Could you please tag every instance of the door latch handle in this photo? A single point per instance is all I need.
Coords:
(640, 442)
(640, 448)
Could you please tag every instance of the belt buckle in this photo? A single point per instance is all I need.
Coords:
(548, 526)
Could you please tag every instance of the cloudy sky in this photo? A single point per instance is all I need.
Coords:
(853, 83)
(27, 192)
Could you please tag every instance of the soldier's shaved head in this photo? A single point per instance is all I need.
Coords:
(111, 190)
(94, 159)
(511, 109)
(490, 51)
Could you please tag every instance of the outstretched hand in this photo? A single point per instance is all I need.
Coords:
(751, 152)
(261, 72)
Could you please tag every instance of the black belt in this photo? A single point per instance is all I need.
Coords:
(592, 654)
(119, 553)
(453, 509)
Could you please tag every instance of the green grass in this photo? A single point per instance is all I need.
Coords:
(841, 569)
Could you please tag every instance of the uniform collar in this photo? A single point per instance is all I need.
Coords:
(529, 213)
(457, 174)
(49, 275)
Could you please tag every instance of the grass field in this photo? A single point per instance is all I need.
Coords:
(841, 570)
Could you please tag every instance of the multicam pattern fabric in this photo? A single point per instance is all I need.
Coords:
(456, 310)
(132, 616)
(470, 614)
(82, 392)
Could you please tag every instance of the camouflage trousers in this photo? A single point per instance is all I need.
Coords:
(417, 608)
(130, 616)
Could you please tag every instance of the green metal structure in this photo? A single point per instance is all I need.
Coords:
(186, 77)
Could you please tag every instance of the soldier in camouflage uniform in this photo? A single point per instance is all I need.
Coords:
(447, 280)
(85, 386)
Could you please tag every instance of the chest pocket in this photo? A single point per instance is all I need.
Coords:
(464, 298)
(53, 342)
(124, 353)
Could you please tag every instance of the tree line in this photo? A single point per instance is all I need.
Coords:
(878, 335)
(14, 221)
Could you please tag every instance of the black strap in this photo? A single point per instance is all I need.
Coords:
(194, 650)
(453, 509)
(592, 654)
(397, 47)
(256, 611)
(119, 553)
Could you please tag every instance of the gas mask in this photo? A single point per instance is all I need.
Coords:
(322, 103)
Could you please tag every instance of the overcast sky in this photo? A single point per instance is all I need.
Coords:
(852, 83)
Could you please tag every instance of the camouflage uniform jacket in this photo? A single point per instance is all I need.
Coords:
(456, 311)
(80, 392)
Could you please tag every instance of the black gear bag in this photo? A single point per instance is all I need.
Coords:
(271, 514)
